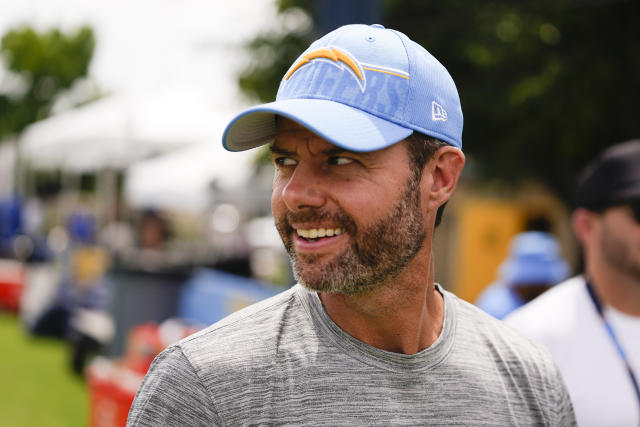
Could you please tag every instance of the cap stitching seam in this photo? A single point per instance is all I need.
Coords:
(409, 65)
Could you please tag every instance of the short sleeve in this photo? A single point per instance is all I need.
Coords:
(172, 394)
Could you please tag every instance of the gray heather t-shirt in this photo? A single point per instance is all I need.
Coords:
(284, 361)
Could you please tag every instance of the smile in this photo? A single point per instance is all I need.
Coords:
(315, 233)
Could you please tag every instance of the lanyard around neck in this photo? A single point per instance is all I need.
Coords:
(599, 308)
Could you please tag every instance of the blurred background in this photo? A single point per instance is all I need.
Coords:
(125, 226)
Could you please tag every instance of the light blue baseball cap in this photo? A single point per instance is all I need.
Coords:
(534, 258)
(362, 88)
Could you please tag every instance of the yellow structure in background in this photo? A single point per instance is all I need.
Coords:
(484, 230)
(480, 224)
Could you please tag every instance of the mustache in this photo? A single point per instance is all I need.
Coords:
(317, 215)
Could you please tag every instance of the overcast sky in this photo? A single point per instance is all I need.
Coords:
(146, 44)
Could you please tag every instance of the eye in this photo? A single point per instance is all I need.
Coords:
(339, 161)
(285, 161)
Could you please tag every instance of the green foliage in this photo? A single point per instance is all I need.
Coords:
(544, 85)
(273, 53)
(286, 5)
(273, 56)
(42, 65)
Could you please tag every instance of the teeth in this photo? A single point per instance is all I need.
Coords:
(314, 233)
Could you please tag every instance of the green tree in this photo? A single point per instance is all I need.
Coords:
(40, 67)
(272, 53)
(544, 85)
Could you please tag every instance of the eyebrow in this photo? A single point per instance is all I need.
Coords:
(333, 151)
(278, 150)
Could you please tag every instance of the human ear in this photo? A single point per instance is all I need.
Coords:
(583, 221)
(444, 169)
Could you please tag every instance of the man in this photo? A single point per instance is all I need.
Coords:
(591, 323)
(533, 266)
(365, 337)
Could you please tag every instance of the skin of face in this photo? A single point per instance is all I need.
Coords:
(369, 203)
(618, 241)
(611, 242)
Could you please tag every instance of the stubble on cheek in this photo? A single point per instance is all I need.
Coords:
(374, 255)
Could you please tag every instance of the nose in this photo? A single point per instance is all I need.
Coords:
(304, 188)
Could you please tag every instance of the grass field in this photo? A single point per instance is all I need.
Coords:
(37, 387)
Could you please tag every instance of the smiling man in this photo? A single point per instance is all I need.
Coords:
(366, 137)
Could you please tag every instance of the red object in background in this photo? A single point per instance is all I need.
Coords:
(112, 388)
(12, 277)
(143, 345)
(113, 383)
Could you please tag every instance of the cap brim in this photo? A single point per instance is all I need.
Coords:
(340, 124)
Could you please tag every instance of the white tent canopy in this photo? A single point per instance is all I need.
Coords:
(180, 180)
(115, 132)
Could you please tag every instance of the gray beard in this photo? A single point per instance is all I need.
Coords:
(376, 255)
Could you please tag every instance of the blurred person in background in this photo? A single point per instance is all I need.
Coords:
(153, 232)
(79, 310)
(151, 236)
(117, 235)
(534, 265)
(591, 323)
(367, 136)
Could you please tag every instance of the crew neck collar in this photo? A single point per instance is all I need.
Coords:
(397, 362)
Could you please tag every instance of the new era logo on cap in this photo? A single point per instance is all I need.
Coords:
(437, 112)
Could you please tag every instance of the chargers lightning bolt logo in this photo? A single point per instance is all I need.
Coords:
(337, 58)
(341, 59)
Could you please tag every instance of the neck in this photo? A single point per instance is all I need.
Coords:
(405, 316)
(616, 289)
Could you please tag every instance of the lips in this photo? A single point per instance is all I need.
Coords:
(314, 233)
(317, 240)
(313, 230)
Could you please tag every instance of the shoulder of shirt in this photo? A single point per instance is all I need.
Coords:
(242, 320)
(246, 333)
(482, 329)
